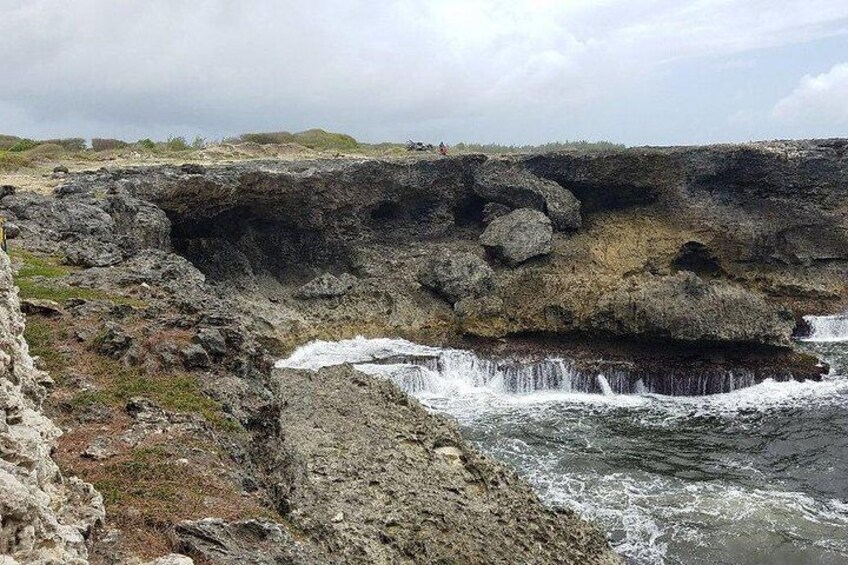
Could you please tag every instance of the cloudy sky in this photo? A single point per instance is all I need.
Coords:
(508, 71)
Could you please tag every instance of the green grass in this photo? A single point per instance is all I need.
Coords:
(11, 162)
(39, 266)
(148, 472)
(314, 139)
(42, 337)
(177, 392)
(34, 281)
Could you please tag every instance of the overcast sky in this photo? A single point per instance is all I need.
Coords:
(511, 71)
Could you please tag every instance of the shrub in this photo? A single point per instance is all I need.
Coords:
(268, 138)
(105, 144)
(177, 144)
(198, 143)
(313, 138)
(23, 145)
(45, 151)
(69, 143)
(146, 144)
(7, 141)
(10, 162)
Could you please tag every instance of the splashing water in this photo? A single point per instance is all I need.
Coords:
(755, 475)
(827, 328)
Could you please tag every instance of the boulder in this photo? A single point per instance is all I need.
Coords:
(687, 308)
(194, 357)
(92, 253)
(455, 276)
(41, 307)
(260, 542)
(512, 185)
(494, 210)
(212, 341)
(112, 341)
(326, 286)
(518, 236)
(12, 230)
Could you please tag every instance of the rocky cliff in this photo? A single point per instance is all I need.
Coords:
(167, 290)
(44, 516)
(764, 223)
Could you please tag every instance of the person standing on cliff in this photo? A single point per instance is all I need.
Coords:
(443, 149)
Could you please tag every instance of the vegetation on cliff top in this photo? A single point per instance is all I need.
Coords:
(18, 153)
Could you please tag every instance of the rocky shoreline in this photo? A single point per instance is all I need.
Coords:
(162, 294)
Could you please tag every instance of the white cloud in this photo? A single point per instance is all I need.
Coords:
(820, 100)
(474, 68)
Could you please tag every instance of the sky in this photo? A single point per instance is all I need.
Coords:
(639, 72)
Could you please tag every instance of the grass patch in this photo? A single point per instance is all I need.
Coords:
(34, 281)
(147, 490)
(42, 336)
(176, 392)
(39, 266)
(10, 162)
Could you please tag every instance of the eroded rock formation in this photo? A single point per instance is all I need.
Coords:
(44, 516)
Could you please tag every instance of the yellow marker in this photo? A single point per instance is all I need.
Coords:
(2, 235)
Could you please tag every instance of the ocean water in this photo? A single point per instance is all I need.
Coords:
(756, 475)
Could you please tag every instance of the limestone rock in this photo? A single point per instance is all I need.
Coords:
(259, 542)
(45, 516)
(212, 341)
(194, 357)
(511, 184)
(326, 286)
(113, 341)
(172, 559)
(685, 307)
(519, 236)
(348, 438)
(481, 316)
(12, 230)
(455, 276)
(494, 210)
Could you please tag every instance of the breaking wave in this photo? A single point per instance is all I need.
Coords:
(712, 469)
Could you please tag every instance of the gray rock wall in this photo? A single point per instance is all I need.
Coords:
(44, 517)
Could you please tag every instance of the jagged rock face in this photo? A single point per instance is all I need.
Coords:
(772, 203)
(510, 184)
(44, 517)
(520, 235)
(687, 308)
(251, 541)
(91, 231)
(770, 216)
(455, 276)
(430, 497)
(326, 286)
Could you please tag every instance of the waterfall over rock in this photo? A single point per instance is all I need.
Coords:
(419, 369)
(827, 328)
